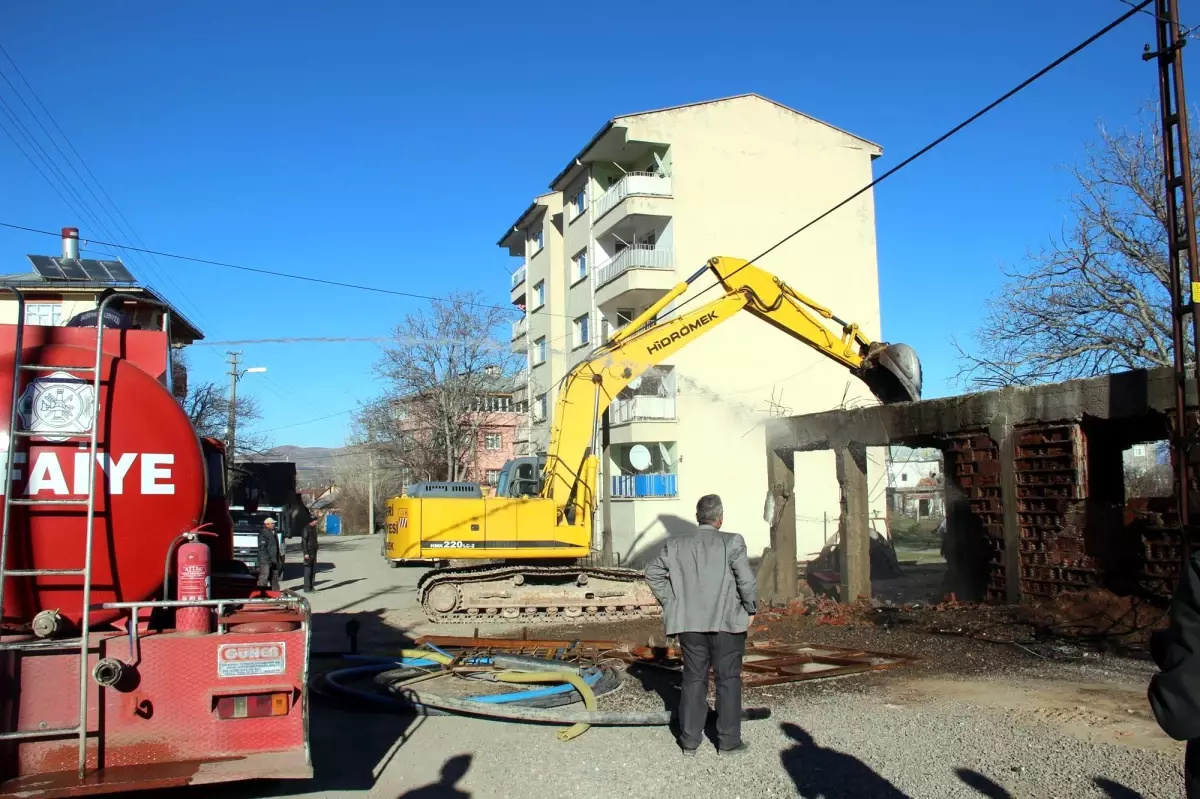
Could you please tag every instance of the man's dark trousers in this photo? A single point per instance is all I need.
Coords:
(723, 652)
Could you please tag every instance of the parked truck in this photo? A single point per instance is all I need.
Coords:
(260, 490)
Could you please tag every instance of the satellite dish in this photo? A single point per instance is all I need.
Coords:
(639, 457)
(634, 385)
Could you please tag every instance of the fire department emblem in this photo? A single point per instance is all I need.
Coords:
(58, 406)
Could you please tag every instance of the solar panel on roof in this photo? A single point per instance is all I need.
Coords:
(89, 269)
(72, 268)
(107, 271)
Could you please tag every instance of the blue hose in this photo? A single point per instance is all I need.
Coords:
(437, 649)
(591, 678)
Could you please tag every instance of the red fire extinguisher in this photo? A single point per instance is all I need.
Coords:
(193, 581)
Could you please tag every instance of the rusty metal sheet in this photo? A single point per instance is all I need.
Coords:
(765, 663)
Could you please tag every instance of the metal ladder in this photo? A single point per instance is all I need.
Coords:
(82, 643)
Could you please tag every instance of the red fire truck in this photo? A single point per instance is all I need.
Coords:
(135, 653)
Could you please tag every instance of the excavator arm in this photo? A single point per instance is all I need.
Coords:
(892, 372)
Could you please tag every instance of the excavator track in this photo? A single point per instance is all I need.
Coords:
(533, 594)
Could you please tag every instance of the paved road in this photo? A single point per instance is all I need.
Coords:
(881, 735)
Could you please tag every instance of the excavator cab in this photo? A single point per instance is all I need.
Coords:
(892, 372)
(521, 477)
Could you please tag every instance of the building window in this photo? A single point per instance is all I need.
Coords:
(579, 266)
(625, 316)
(581, 332)
(492, 476)
(903, 477)
(491, 441)
(540, 408)
(539, 294)
(539, 351)
(536, 242)
(48, 314)
(1139, 450)
(579, 202)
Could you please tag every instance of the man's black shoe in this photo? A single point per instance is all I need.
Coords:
(741, 748)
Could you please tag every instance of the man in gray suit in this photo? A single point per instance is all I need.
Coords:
(704, 583)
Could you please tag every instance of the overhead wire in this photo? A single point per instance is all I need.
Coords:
(128, 229)
(939, 140)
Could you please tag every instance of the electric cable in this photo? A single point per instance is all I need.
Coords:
(939, 140)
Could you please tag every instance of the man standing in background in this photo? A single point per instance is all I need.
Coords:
(704, 582)
(308, 543)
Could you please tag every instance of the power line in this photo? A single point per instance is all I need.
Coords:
(111, 203)
(940, 139)
(274, 273)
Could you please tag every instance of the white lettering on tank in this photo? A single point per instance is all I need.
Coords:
(81, 472)
(152, 472)
(47, 473)
(116, 470)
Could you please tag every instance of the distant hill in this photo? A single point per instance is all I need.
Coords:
(312, 463)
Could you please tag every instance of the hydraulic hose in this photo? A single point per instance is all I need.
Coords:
(597, 718)
(585, 690)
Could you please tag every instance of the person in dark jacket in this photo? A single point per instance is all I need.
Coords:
(114, 317)
(308, 542)
(268, 561)
(1175, 691)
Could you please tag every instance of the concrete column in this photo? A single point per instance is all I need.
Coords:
(1006, 443)
(781, 480)
(855, 543)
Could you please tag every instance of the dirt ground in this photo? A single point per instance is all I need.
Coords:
(1009, 703)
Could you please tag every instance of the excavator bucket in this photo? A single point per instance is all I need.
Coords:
(893, 373)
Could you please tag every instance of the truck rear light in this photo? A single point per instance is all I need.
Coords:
(253, 706)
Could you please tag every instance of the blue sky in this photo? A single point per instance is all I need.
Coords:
(391, 143)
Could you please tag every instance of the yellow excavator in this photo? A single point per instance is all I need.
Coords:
(530, 538)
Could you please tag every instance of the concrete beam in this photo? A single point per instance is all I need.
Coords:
(1119, 396)
(855, 543)
(781, 482)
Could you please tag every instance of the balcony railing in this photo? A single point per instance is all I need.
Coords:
(638, 256)
(642, 409)
(645, 485)
(519, 328)
(650, 183)
(518, 277)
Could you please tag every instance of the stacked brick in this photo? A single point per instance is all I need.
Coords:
(1156, 521)
(977, 472)
(1051, 477)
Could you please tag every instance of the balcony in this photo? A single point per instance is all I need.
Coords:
(634, 184)
(520, 341)
(635, 277)
(518, 286)
(638, 486)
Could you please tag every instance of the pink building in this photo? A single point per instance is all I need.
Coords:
(492, 418)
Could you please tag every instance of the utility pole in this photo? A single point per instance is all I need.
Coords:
(231, 424)
(1181, 250)
(235, 360)
(370, 493)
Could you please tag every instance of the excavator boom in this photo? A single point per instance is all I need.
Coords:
(540, 522)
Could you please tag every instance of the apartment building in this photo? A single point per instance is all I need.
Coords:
(644, 204)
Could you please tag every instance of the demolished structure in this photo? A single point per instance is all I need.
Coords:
(1035, 494)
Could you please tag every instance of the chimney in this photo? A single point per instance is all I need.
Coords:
(70, 242)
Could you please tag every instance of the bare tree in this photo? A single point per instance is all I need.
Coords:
(1095, 299)
(207, 406)
(446, 378)
(352, 476)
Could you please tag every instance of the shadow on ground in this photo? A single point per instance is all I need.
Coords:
(988, 787)
(446, 788)
(830, 774)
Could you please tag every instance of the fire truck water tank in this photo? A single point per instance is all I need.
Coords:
(149, 473)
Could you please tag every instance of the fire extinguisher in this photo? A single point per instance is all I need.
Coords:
(193, 581)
